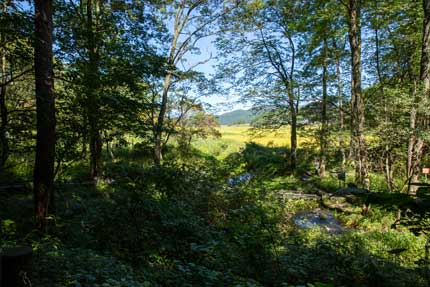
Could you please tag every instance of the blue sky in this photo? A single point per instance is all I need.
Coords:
(214, 103)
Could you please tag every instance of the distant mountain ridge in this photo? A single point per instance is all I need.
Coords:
(236, 117)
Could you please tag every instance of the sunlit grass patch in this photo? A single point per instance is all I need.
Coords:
(218, 147)
(243, 133)
(233, 139)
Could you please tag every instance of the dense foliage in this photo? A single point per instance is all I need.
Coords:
(135, 184)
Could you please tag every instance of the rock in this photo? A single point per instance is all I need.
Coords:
(339, 203)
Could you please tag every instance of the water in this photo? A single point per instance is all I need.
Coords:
(240, 179)
(318, 218)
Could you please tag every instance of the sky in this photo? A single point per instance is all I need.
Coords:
(215, 103)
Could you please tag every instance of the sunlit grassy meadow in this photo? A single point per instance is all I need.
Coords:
(234, 138)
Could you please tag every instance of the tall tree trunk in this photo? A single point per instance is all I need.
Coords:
(293, 107)
(416, 143)
(341, 115)
(45, 109)
(293, 156)
(357, 106)
(386, 157)
(411, 163)
(293, 104)
(159, 125)
(324, 119)
(93, 85)
(293, 100)
(4, 144)
(158, 133)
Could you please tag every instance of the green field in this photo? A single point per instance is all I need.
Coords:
(234, 137)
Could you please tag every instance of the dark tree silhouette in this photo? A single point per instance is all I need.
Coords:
(45, 109)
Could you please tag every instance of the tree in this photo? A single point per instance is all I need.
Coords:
(92, 84)
(262, 42)
(192, 21)
(15, 55)
(393, 61)
(45, 109)
(196, 123)
(419, 114)
(325, 32)
(3, 109)
(357, 106)
(380, 117)
(108, 60)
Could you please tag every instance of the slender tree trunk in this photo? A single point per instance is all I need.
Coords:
(357, 106)
(45, 109)
(293, 104)
(425, 50)
(293, 107)
(324, 119)
(85, 141)
(4, 144)
(416, 143)
(95, 147)
(109, 149)
(410, 166)
(293, 101)
(293, 156)
(341, 115)
(93, 85)
(159, 126)
(158, 134)
(387, 157)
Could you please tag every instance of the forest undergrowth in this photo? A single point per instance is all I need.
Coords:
(186, 224)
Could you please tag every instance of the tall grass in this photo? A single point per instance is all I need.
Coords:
(243, 133)
(233, 139)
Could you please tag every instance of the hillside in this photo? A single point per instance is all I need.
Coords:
(236, 117)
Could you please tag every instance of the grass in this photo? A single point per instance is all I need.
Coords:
(202, 231)
(233, 139)
(243, 133)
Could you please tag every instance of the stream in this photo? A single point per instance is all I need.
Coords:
(321, 218)
(318, 218)
(242, 178)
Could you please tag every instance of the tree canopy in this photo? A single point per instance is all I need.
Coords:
(107, 116)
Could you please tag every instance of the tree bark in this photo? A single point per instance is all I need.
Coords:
(341, 115)
(387, 158)
(293, 104)
(287, 76)
(159, 126)
(4, 144)
(293, 156)
(411, 163)
(45, 110)
(357, 105)
(158, 133)
(324, 119)
(93, 85)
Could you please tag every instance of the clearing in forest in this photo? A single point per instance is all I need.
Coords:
(234, 137)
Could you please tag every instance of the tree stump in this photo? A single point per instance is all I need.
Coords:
(16, 267)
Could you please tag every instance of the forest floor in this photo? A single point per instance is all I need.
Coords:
(205, 220)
